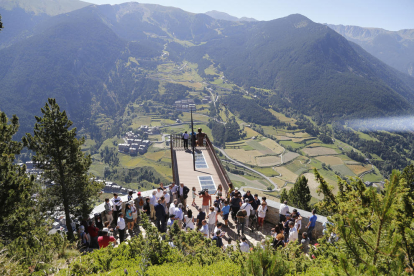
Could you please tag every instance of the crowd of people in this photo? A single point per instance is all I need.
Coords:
(168, 205)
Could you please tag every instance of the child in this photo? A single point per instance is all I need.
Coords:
(194, 196)
(225, 212)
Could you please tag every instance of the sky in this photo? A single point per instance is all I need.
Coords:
(391, 15)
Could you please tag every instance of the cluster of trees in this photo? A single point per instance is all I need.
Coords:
(110, 156)
(299, 196)
(355, 156)
(250, 111)
(135, 175)
(173, 92)
(24, 203)
(225, 132)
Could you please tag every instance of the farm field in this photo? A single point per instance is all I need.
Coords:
(358, 169)
(289, 156)
(319, 151)
(343, 170)
(266, 161)
(247, 157)
(272, 145)
(278, 181)
(247, 182)
(331, 160)
(313, 185)
(286, 174)
(250, 132)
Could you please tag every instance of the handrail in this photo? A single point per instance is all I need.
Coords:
(224, 178)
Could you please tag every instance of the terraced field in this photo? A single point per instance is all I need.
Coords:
(319, 151)
(331, 160)
(266, 161)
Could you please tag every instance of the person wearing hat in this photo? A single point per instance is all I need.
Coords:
(104, 240)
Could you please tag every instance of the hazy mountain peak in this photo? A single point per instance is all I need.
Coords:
(49, 7)
(225, 16)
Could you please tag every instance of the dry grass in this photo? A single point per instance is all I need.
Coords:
(331, 160)
(319, 151)
(266, 161)
(313, 185)
(275, 147)
(247, 157)
(358, 169)
(286, 174)
(283, 138)
(289, 156)
(250, 132)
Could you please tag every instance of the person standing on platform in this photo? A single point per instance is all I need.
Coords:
(284, 209)
(173, 190)
(206, 201)
(183, 194)
(108, 211)
(117, 206)
(121, 227)
(153, 202)
(160, 214)
(185, 139)
(311, 224)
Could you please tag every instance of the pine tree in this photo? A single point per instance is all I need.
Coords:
(299, 196)
(58, 153)
(284, 195)
(16, 188)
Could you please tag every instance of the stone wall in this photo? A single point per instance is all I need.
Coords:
(273, 217)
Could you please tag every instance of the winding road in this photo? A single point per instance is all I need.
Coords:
(276, 188)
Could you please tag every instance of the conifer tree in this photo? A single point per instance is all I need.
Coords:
(58, 153)
(300, 196)
(16, 188)
(283, 195)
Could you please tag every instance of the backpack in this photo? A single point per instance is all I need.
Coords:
(141, 202)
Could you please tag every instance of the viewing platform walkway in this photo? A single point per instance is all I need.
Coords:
(209, 173)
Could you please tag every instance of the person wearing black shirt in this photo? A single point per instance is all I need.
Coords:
(235, 206)
(255, 204)
(147, 208)
(248, 195)
(200, 217)
(286, 227)
(160, 215)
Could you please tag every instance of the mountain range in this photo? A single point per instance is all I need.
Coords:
(395, 48)
(76, 57)
(225, 16)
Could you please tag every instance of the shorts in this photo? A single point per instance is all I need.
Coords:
(205, 208)
(135, 215)
(226, 216)
(127, 220)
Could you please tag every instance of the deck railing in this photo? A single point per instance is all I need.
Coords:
(177, 143)
(224, 178)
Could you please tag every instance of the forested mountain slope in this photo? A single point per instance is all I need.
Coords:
(76, 58)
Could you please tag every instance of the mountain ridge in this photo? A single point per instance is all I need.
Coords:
(225, 16)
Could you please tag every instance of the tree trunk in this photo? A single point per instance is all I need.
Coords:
(71, 237)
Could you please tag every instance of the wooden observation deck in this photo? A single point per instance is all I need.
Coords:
(208, 173)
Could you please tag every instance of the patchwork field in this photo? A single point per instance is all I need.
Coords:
(289, 156)
(248, 157)
(342, 169)
(247, 182)
(313, 185)
(319, 151)
(266, 161)
(278, 181)
(286, 174)
(331, 160)
(358, 169)
(272, 145)
(256, 145)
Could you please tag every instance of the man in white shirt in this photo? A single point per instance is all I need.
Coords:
(179, 214)
(244, 246)
(153, 202)
(171, 210)
(284, 209)
(211, 220)
(159, 193)
(121, 227)
(248, 207)
(218, 227)
(293, 233)
(117, 206)
(185, 138)
(167, 200)
(204, 229)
